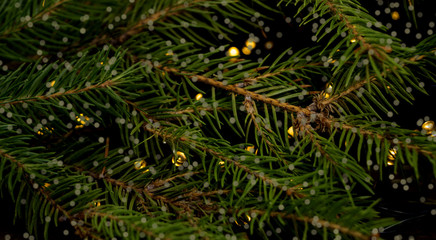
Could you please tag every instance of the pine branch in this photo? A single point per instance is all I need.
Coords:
(238, 90)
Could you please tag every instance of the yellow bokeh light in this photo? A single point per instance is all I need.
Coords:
(140, 164)
(233, 52)
(251, 149)
(246, 51)
(180, 159)
(392, 154)
(44, 130)
(353, 40)
(291, 131)
(101, 63)
(250, 44)
(198, 96)
(395, 15)
(52, 83)
(81, 120)
(269, 45)
(428, 126)
(46, 185)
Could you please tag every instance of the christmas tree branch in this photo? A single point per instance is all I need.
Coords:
(104, 84)
(237, 90)
(291, 191)
(311, 220)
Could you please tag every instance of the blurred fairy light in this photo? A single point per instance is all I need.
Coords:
(328, 91)
(250, 44)
(246, 50)
(269, 45)
(140, 165)
(353, 40)
(428, 126)
(392, 156)
(395, 15)
(198, 96)
(181, 158)
(45, 130)
(291, 131)
(251, 149)
(81, 120)
(233, 52)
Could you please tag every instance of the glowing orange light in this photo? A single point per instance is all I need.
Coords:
(198, 96)
(395, 15)
(233, 52)
(180, 159)
(246, 50)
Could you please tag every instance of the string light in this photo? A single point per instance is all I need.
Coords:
(328, 90)
(233, 52)
(82, 120)
(269, 45)
(246, 50)
(198, 96)
(395, 15)
(250, 44)
(251, 149)
(180, 159)
(140, 164)
(392, 156)
(291, 131)
(44, 130)
(428, 126)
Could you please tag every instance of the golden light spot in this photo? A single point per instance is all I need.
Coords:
(246, 50)
(46, 185)
(221, 163)
(326, 95)
(331, 60)
(198, 96)
(392, 154)
(248, 217)
(44, 130)
(97, 204)
(168, 54)
(353, 40)
(233, 52)
(428, 126)
(250, 44)
(101, 63)
(140, 164)
(43, 2)
(395, 15)
(390, 163)
(180, 159)
(52, 83)
(251, 149)
(291, 131)
(81, 120)
(269, 45)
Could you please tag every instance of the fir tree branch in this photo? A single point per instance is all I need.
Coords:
(310, 220)
(92, 212)
(19, 27)
(291, 191)
(238, 90)
(105, 84)
(83, 232)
